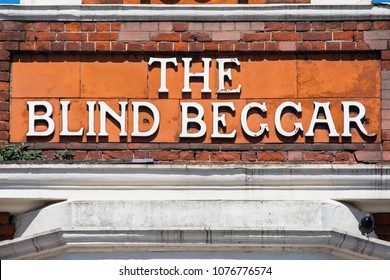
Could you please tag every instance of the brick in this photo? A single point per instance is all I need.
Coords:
(318, 26)
(202, 156)
(112, 146)
(333, 46)
(36, 26)
(57, 27)
(226, 36)
(171, 37)
(385, 55)
(317, 36)
(134, 36)
(166, 26)
(242, 26)
(333, 26)
(12, 36)
(4, 106)
(345, 36)
(94, 155)
(180, 26)
(141, 154)
(42, 46)
(186, 155)
(386, 65)
(180, 47)
(72, 36)
(131, 26)
(195, 47)
(27, 46)
(134, 47)
(103, 26)
(294, 155)
(116, 26)
(117, 155)
(368, 156)
(7, 230)
(150, 46)
(210, 46)
(241, 47)
(188, 37)
(319, 156)
(71, 46)
(72, 27)
(103, 46)
(225, 156)
(287, 46)
(261, 36)
(11, 26)
(195, 26)
(88, 26)
(349, 25)
(364, 25)
(226, 47)
(211, 26)
(165, 47)
(164, 155)
(376, 35)
(272, 46)
(4, 66)
(4, 125)
(149, 26)
(54, 46)
(118, 46)
(88, 47)
(362, 46)
(4, 218)
(348, 46)
(303, 26)
(103, 36)
(381, 25)
(41, 36)
(202, 37)
(11, 46)
(257, 26)
(4, 55)
(271, 26)
(377, 44)
(249, 156)
(4, 135)
(343, 157)
(257, 46)
(4, 76)
(271, 156)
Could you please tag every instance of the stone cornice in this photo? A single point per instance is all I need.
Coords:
(276, 12)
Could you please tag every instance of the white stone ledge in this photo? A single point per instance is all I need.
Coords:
(276, 12)
(118, 176)
(121, 244)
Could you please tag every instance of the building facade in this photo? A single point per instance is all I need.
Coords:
(198, 129)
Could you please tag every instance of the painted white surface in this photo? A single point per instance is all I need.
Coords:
(27, 187)
(195, 12)
(75, 2)
(202, 229)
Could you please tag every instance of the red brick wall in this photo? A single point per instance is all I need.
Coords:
(6, 229)
(382, 225)
(153, 38)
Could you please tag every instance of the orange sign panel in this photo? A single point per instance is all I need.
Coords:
(270, 98)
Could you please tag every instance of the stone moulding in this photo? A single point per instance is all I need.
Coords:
(194, 13)
(101, 176)
(56, 243)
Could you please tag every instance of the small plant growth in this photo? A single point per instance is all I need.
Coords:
(64, 155)
(22, 152)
